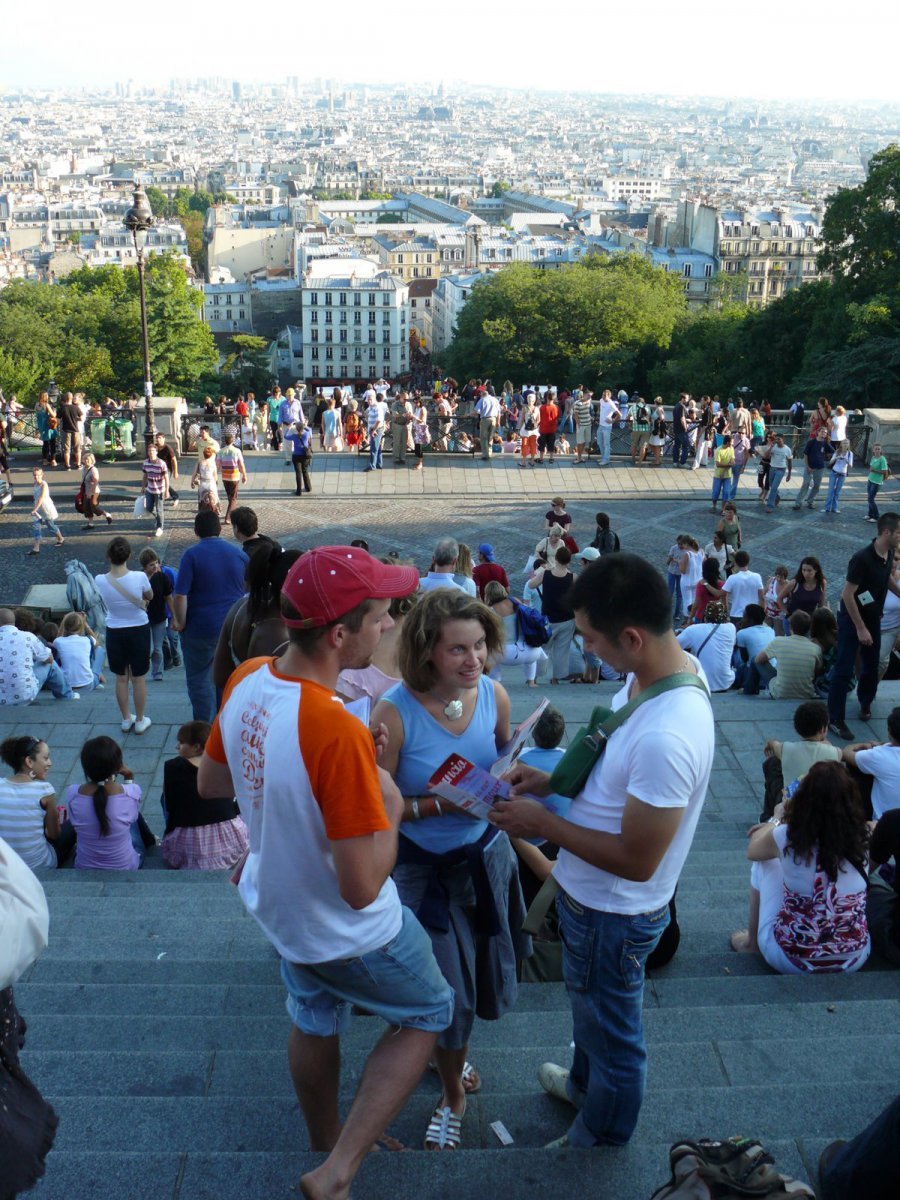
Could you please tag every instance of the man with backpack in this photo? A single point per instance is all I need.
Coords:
(641, 422)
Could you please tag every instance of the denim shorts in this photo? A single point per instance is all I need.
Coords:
(399, 982)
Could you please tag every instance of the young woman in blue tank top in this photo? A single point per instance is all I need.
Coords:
(452, 870)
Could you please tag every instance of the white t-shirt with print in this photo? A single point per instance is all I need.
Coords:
(780, 457)
(662, 756)
(743, 587)
(883, 763)
(19, 651)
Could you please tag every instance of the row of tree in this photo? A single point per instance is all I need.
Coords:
(623, 322)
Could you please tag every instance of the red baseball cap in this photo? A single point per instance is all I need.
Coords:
(327, 582)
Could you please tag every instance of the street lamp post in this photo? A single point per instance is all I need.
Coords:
(138, 221)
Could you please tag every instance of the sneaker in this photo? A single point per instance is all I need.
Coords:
(158, 533)
(871, 518)
(127, 722)
(553, 1080)
(74, 696)
(842, 730)
(175, 503)
(142, 725)
(560, 1143)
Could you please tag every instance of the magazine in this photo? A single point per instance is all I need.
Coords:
(471, 789)
(516, 743)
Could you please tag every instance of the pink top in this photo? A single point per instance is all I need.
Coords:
(368, 681)
(115, 851)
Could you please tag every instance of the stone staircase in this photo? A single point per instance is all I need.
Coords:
(157, 1024)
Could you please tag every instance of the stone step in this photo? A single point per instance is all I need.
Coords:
(627, 1173)
(822, 1017)
(231, 1124)
(223, 1073)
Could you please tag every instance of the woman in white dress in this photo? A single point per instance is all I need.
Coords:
(205, 479)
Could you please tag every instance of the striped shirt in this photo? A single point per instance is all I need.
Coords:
(22, 820)
(582, 411)
(230, 462)
(155, 474)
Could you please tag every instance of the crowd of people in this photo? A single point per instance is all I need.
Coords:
(376, 891)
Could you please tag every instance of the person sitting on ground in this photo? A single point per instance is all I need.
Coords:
(823, 631)
(882, 762)
(29, 819)
(709, 588)
(80, 653)
(516, 652)
(712, 642)
(605, 540)
(106, 814)
(753, 636)
(788, 762)
(254, 626)
(789, 665)
(442, 572)
(488, 569)
(26, 662)
(883, 898)
(808, 883)
(743, 587)
(201, 835)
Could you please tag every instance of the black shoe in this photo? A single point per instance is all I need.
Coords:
(865, 714)
(842, 730)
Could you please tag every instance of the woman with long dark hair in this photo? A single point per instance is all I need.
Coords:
(806, 591)
(808, 880)
(106, 814)
(254, 625)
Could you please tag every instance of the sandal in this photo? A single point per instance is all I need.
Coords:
(444, 1130)
(471, 1080)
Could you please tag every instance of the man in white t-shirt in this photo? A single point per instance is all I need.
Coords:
(322, 819)
(743, 587)
(712, 641)
(376, 423)
(781, 461)
(883, 763)
(609, 413)
(623, 842)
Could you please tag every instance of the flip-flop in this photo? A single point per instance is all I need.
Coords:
(471, 1080)
(444, 1130)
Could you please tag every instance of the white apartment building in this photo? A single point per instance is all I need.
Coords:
(227, 307)
(447, 302)
(355, 323)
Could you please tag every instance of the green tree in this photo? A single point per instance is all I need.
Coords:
(568, 325)
(498, 187)
(861, 231)
(247, 364)
(159, 202)
(193, 224)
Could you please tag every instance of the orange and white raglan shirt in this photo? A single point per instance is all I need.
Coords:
(305, 776)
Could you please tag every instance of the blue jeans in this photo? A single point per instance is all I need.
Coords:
(736, 473)
(720, 487)
(375, 440)
(674, 582)
(198, 658)
(49, 675)
(604, 955)
(848, 647)
(37, 526)
(757, 675)
(174, 645)
(871, 492)
(157, 636)
(869, 1165)
(604, 441)
(681, 445)
(776, 474)
(835, 484)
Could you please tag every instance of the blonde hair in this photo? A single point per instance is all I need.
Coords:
(464, 561)
(72, 623)
(423, 627)
(494, 592)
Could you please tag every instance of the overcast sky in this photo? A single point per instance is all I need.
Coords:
(829, 49)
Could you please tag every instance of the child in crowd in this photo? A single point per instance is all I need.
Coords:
(771, 603)
(882, 762)
(79, 653)
(787, 762)
(201, 834)
(562, 445)
(106, 814)
(823, 631)
(742, 587)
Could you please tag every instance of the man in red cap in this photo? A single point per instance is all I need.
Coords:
(323, 817)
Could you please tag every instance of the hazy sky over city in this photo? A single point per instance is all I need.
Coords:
(831, 49)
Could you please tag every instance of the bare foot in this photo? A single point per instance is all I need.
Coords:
(311, 1188)
(740, 942)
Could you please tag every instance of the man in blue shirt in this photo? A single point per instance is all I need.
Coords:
(210, 579)
(813, 466)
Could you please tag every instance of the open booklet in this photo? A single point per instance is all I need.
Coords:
(473, 789)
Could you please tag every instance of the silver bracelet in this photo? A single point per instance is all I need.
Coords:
(437, 805)
(414, 805)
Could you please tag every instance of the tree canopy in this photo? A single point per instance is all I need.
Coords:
(567, 325)
(85, 331)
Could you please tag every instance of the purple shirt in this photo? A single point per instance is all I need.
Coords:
(115, 851)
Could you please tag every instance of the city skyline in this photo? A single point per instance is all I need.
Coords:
(696, 50)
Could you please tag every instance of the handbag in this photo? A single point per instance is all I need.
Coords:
(81, 494)
(584, 751)
(142, 603)
(24, 917)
